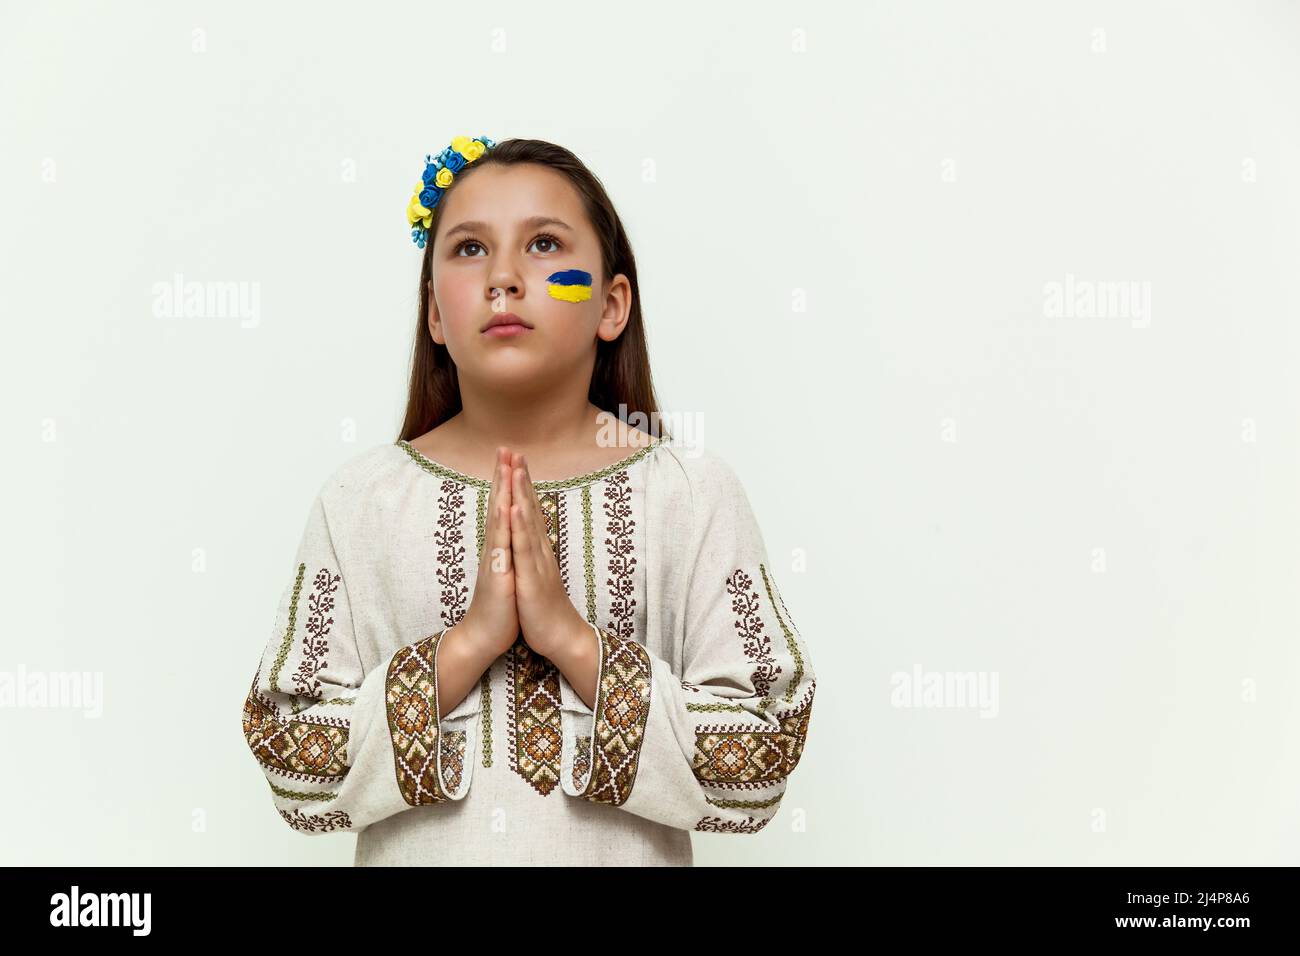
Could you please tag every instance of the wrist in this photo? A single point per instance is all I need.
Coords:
(467, 645)
(578, 648)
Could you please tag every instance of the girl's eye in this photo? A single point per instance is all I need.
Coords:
(553, 245)
(551, 240)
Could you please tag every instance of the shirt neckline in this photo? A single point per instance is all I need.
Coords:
(550, 484)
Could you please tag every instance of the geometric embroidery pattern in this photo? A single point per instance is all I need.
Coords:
(412, 704)
(621, 713)
(533, 691)
(581, 760)
(453, 759)
(746, 756)
(302, 749)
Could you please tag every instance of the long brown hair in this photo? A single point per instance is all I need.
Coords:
(622, 372)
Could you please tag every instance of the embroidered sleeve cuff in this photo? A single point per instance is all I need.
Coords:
(601, 748)
(433, 758)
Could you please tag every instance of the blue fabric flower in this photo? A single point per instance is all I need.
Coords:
(454, 161)
(429, 193)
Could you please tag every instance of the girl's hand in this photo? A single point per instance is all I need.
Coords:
(546, 615)
(491, 619)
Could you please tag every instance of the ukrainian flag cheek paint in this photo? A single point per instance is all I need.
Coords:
(571, 285)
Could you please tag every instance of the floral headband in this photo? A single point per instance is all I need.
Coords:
(439, 173)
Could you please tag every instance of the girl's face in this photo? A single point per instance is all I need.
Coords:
(516, 239)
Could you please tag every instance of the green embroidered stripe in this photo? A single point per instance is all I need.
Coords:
(558, 484)
(797, 678)
(301, 795)
(482, 510)
(296, 705)
(288, 631)
(486, 698)
(588, 558)
(485, 683)
(745, 804)
(716, 708)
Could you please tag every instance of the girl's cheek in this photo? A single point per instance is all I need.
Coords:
(457, 301)
(569, 285)
(462, 288)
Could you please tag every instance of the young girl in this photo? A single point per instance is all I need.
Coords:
(527, 632)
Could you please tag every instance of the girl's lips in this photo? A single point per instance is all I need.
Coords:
(505, 331)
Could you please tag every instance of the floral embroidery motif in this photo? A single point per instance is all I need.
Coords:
(412, 705)
(451, 553)
(719, 825)
(533, 690)
(319, 823)
(756, 644)
(622, 560)
(621, 713)
(749, 757)
(753, 755)
(315, 642)
(303, 749)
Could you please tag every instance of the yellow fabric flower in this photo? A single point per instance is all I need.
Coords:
(468, 148)
(417, 213)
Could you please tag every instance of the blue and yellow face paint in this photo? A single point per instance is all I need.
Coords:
(571, 285)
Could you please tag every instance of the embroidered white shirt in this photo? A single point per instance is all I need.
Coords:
(704, 694)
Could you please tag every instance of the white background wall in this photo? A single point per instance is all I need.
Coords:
(1099, 510)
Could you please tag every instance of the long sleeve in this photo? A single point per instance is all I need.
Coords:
(710, 748)
(342, 748)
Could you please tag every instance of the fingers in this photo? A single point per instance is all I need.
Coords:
(493, 495)
(521, 549)
(520, 531)
(541, 541)
(530, 512)
(498, 532)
